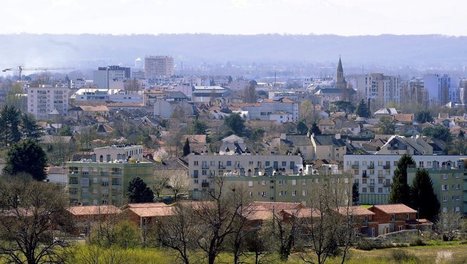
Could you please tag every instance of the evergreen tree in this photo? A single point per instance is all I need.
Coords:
(186, 148)
(315, 129)
(355, 194)
(423, 117)
(9, 123)
(302, 129)
(235, 123)
(423, 197)
(362, 110)
(400, 190)
(26, 157)
(29, 127)
(139, 192)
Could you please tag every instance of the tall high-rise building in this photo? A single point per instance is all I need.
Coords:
(441, 89)
(463, 91)
(414, 93)
(382, 89)
(105, 76)
(158, 67)
(46, 101)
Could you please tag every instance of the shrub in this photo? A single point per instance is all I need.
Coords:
(399, 256)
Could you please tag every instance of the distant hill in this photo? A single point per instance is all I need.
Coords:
(91, 50)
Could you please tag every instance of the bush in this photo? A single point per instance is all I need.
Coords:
(418, 242)
(369, 244)
(399, 256)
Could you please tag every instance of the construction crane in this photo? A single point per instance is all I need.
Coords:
(21, 69)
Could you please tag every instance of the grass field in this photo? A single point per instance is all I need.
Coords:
(433, 252)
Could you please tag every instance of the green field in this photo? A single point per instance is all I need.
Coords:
(434, 252)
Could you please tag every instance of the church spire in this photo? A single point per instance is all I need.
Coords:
(340, 80)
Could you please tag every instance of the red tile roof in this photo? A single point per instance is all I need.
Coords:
(355, 210)
(394, 208)
(93, 210)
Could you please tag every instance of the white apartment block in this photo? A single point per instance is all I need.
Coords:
(111, 76)
(282, 111)
(203, 169)
(374, 173)
(158, 67)
(47, 101)
(118, 153)
(382, 89)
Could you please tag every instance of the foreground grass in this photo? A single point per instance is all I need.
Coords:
(434, 252)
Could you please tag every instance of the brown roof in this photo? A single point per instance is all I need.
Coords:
(94, 108)
(303, 212)
(152, 211)
(407, 118)
(277, 206)
(145, 205)
(93, 210)
(355, 210)
(394, 208)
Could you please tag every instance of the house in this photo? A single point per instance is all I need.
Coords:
(146, 214)
(330, 147)
(85, 216)
(406, 119)
(326, 125)
(404, 145)
(301, 143)
(362, 218)
(395, 217)
(385, 112)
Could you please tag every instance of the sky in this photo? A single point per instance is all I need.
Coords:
(340, 17)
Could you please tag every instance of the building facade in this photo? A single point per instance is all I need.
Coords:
(106, 77)
(45, 101)
(374, 173)
(203, 169)
(158, 67)
(97, 183)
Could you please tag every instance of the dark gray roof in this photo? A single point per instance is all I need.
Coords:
(299, 140)
(326, 140)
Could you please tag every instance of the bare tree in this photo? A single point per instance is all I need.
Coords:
(31, 213)
(448, 224)
(285, 232)
(217, 218)
(328, 230)
(178, 184)
(159, 185)
(179, 232)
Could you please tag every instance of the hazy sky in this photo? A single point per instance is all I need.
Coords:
(342, 17)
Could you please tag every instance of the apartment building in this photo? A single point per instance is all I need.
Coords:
(374, 173)
(158, 67)
(448, 185)
(281, 110)
(46, 101)
(382, 89)
(286, 188)
(97, 183)
(111, 76)
(118, 153)
(104, 178)
(203, 169)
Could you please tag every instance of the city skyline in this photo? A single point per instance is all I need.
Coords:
(248, 17)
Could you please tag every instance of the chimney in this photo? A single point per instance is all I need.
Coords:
(338, 136)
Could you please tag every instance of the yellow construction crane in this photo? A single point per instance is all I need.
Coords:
(21, 69)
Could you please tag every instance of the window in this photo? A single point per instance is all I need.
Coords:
(364, 190)
(363, 181)
(444, 187)
(267, 163)
(204, 172)
(445, 198)
(229, 163)
(195, 163)
(457, 209)
(196, 181)
(393, 217)
(294, 182)
(250, 183)
(421, 164)
(380, 190)
(195, 174)
(284, 164)
(294, 193)
(380, 181)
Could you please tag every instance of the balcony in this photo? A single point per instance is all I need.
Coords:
(355, 166)
(205, 184)
(386, 167)
(371, 166)
(364, 175)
